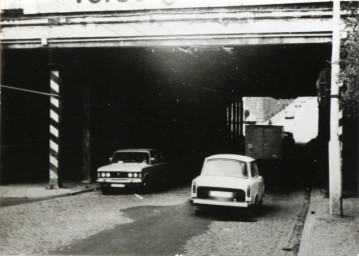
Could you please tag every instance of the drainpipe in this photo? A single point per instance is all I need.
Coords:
(86, 160)
(335, 158)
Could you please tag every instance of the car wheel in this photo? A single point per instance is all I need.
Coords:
(198, 209)
(145, 186)
(106, 191)
(260, 202)
(165, 180)
(254, 208)
(257, 202)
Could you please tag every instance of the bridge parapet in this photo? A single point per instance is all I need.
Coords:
(293, 23)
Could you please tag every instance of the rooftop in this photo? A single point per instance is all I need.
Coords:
(232, 156)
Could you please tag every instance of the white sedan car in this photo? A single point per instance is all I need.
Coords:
(140, 168)
(228, 180)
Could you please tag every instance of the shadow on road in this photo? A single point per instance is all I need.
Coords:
(235, 214)
(155, 230)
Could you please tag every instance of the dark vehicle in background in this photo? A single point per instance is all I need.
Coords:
(273, 148)
(264, 141)
(268, 142)
(138, 168)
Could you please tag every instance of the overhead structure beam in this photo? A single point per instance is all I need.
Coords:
(186, 27)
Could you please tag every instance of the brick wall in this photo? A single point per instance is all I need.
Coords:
(264, 107)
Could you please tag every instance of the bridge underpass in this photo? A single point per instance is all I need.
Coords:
(185, 25)
(171, 98)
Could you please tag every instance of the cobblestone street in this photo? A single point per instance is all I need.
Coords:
(50, 226)
(270, 232)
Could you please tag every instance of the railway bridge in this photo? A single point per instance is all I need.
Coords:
(106, 61)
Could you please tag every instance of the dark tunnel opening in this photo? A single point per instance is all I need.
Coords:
(170, 98)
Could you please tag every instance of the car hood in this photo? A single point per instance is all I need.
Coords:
(222, 182)
(123, 167)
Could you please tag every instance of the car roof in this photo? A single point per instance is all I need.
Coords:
(231, 156)
(136, 150)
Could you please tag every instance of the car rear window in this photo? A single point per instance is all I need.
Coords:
(225, 167)
(131, 157)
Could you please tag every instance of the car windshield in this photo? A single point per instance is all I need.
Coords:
(225, 167)
(131, 157)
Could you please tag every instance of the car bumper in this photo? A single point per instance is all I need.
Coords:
(120, 183)
(197, 201)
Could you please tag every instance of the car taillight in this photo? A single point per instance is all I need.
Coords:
(248, 192)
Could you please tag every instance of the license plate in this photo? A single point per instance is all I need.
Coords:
(118, 185)
(221, 194)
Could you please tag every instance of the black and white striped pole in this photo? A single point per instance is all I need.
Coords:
(335, 145)
(55, 106)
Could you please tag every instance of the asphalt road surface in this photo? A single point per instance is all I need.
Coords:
(179, 229)
(161, 230)
(161, 223)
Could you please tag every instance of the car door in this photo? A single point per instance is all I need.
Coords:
(157, 166)
(162, 166)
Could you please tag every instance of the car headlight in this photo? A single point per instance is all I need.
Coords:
(135, 175)
(103, 175)
(108, 175)
(130, 175)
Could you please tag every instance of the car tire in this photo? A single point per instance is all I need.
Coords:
(257, 202)
(146, 188)
(197, 209)
(253, 209)
(260, 202)
(165, 180)
(105, 191)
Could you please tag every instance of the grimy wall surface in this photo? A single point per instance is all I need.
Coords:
(89, 24)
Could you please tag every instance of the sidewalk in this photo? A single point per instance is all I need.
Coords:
(39, 190)
(325, 234)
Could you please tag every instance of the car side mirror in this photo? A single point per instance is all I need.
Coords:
(152, 160)
(110, 159)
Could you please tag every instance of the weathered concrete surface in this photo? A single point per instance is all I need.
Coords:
(286, 23)
(41, 191)
(326, 234)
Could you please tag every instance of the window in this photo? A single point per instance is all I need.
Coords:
(254, 169)
(130, 157)
(158, 157)
(225, 167)
(153, 157)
